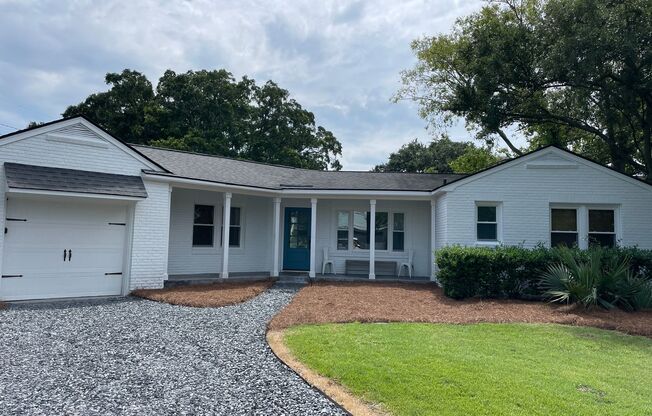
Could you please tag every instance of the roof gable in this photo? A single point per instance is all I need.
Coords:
(81, 131)
(548, 157)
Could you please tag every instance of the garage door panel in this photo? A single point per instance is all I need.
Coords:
(49, 286)
(34, 249)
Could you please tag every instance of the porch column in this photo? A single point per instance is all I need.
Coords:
(372, 239)
(225, 235)
(313, 235)
(433, 240)
(277, 234)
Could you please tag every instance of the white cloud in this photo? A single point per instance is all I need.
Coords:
(340, 59)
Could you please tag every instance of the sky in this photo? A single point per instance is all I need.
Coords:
(339, 59)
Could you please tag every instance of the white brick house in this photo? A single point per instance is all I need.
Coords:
(88, 215)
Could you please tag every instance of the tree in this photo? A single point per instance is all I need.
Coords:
(577, 72)
(474, 159)
(120, 110)
(212, 112)
(419, 157)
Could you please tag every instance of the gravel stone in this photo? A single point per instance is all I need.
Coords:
(137, 357)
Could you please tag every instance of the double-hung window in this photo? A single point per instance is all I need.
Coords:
(203, 228)
(398, 232)
(602, 228)
(563, 227)
(235, 230)
(487, 223)
(343, 230)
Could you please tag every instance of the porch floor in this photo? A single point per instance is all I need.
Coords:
(294, 276)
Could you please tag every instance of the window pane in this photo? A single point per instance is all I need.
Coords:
(563, 239)
(234, 236)
(342, 239)
(399, 221)
(601, 220)
(603, 240)
(398, 241)
(235, 216)
(564, 219)
(487, 214)
(203, 214)
(382, 230)
(343, 220)
(487, 232)
(360, 230)
(202, 235)
(343, 230)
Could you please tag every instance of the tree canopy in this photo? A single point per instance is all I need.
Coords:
(212, 112)
(576, 73)
(439, 156)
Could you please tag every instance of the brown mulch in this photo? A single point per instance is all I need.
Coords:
(395, 302)
(206, 296)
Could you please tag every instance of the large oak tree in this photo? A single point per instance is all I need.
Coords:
(576, 73)
(212, 112)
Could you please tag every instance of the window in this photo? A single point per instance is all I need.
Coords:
(563, 229)
(203, 227)
(343, 230)
(382, 230)
(602, 230)
(487, 225)
(398, 232)
(235, 230)
(360, 233)
(361, 230)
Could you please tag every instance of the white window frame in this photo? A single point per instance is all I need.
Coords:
(499, 222)
(583, 221)
(390, 230)
(241, 226)
(192, 234)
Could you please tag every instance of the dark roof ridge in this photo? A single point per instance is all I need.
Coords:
(285, 166)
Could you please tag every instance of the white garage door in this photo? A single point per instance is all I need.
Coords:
(57, 249)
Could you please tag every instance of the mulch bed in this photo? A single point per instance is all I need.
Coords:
(206, 296)
(395, 302)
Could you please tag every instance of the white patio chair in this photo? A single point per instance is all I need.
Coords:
(407, 264)
(326, 262)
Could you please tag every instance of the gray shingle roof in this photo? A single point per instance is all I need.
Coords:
(241, 172)
(43, 178)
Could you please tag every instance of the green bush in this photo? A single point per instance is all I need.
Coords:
(604, 279)
(514, 271)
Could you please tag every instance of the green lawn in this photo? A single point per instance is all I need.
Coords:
(483, 369)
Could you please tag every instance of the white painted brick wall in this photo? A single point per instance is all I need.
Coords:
(526, 195)
(150, 238)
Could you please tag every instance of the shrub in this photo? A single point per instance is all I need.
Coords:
(604, 279)
(503, 271)
(514, 271)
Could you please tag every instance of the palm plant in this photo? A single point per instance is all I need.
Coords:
(599, 280)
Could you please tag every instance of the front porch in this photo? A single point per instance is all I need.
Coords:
(356, 239)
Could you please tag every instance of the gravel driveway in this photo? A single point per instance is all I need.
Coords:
(133, 356)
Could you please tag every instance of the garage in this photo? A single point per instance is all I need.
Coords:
(60, 243)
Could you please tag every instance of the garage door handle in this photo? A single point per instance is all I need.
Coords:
(64, 254)
(69, 254)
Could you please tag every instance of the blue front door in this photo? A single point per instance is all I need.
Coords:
(296, 251)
